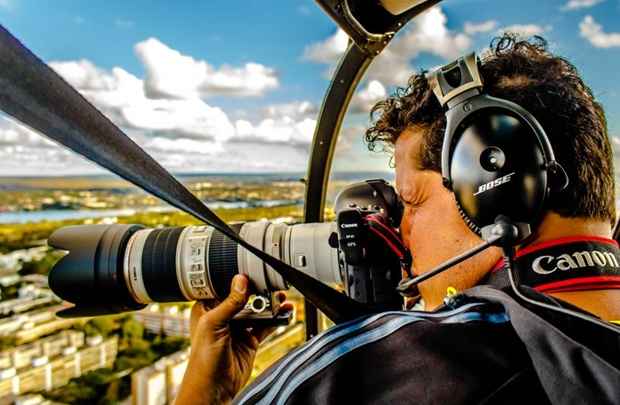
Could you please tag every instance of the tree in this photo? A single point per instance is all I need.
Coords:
(41, 266)
(101, 325)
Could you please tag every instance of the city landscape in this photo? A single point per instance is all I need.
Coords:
(134, 358)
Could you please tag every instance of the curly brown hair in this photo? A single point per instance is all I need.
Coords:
(549, 87)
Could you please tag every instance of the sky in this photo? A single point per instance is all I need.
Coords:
(236, 85)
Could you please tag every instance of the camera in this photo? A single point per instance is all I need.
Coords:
(118, 268)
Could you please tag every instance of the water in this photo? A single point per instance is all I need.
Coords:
(59, 215)
(22, 217)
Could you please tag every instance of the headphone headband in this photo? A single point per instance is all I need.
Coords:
(456, 78)
(492, 142)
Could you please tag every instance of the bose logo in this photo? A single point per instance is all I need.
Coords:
(494, 183)
(549, 264)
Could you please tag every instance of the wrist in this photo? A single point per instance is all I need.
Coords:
(206, 384)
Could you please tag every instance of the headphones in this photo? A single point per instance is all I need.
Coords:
(495, 157)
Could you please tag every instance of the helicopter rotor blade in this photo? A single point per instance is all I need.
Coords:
(34, 94)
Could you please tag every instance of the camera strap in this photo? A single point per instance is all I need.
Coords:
(565, 264)
(378, 227)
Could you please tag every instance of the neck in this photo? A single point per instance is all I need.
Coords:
(602, 303)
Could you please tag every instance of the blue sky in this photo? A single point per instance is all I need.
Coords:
(256, 71)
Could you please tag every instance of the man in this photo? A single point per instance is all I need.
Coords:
(482, 346)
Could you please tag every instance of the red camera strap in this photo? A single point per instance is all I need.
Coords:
(566, 264)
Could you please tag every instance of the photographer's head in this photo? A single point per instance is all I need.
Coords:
(413, 122)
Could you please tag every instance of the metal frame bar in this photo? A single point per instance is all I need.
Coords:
(358, 56)
(352, 67)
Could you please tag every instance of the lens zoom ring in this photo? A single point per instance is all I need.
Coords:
(159, 265)
(222, 263)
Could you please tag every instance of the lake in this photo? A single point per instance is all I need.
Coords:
(22, 217)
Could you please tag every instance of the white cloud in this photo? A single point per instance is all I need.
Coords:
(26, 152)
(526, 30)
(428, 33)
(84, 75)
(284, 130)
(364, 99)
(13, 133)
(182, 133)
(472, 28)
(170, 74)
(578, 4)
(329, 50)
(294, 110)
(348, 138)
(593, 32)
(183, 145)
(120, 95)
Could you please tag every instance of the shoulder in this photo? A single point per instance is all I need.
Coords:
(385, 347)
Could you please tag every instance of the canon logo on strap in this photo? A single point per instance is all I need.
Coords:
(585, 258)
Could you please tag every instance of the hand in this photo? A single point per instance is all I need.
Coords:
(221, 355)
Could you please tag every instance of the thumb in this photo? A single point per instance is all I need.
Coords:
(235, 302)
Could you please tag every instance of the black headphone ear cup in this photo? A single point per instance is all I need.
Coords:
(497, 167)
(470, 224)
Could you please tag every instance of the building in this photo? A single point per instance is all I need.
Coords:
(168, 320)
(33, 399)
(12, 262)
(285, 339)
(159, 383)
(51, 346)
(53, 361)
(29, 326)
(28, 297)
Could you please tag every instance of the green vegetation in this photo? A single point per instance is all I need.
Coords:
(41, 266)
(66, 193)
(102, 325)
(90, 388)
(136, 349)
(20, 236)
(7, 342)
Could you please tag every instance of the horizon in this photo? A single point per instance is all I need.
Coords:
(192, 174)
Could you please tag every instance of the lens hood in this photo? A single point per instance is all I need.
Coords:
(90, 275)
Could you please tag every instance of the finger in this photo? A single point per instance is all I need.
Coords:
(198, 311)
(219, 316)
(286, 306)
(281, 296)
(209, 304)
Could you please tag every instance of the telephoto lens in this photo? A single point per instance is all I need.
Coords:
(117, 268)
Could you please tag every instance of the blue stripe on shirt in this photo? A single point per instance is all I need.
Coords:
(285, 369)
